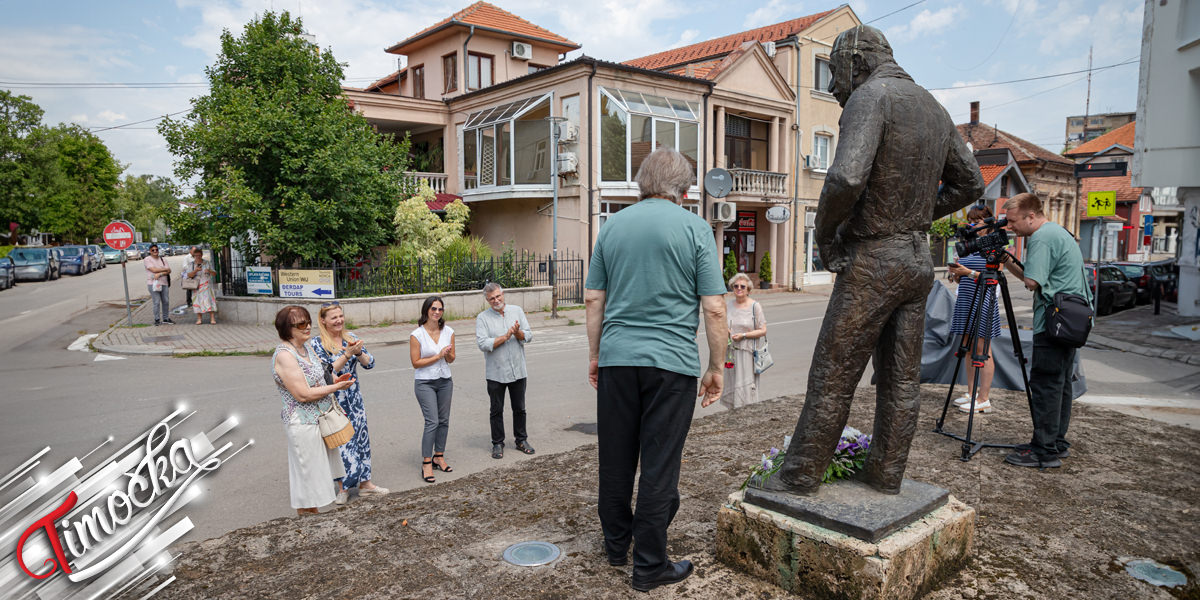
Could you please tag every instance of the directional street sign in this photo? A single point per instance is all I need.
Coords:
(118, 235)
(306, 284)
(1102, 204)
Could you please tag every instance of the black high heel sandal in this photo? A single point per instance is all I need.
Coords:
(427, 478)
(444, 467)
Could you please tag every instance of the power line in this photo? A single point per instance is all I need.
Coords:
(92, 85)
(998, 42)
(125, 125)
(976, 85)
(902, 9)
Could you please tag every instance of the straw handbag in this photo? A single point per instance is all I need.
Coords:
(335, 427)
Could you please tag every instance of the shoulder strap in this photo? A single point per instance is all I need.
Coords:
(754, 319)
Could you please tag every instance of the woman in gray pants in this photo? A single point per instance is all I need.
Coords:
(431, 348)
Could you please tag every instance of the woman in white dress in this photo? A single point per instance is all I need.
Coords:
(431, 349)
(747, 324)
(300, 378)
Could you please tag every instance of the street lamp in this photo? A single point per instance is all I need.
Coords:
(554, 121)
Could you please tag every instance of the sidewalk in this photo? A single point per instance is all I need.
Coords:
(185, 338)
(1138, 330)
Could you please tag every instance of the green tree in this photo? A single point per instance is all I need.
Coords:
(277, 151)
(764, 268)
(78, 191)
(22, 154)
(421, 234)
(147, 202)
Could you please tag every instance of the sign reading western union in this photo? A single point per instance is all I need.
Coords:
(306, 284)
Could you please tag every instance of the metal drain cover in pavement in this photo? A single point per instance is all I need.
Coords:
(1155, 573)
(531, 554)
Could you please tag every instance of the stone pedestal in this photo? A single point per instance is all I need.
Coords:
(813, 561)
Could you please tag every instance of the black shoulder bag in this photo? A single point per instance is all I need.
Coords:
(1070, 319)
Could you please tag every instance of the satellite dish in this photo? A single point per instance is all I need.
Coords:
(718, 183)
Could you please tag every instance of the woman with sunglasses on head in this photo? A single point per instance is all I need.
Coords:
(344, 353)
(431, 348)
(300, 378)
(747, 323)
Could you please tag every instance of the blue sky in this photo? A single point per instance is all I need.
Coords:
(942, 43)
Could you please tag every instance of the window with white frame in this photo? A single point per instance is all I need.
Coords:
(609, 208)
(822, 144)
(821, 74)
(507, 145)
(633, 124)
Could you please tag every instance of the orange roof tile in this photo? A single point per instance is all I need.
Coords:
(1122, 136)
(724, 45)
(991, 172)
(482, 14)
(1121, 184)
(386, 79)
(982, 136)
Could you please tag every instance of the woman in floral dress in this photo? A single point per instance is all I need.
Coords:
(344, 353)
(204, 300)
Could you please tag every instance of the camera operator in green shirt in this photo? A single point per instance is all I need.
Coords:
(1053, 264)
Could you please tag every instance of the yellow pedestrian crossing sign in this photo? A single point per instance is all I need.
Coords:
(1102, 204)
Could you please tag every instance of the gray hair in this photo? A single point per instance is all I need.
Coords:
(665, 174)
(490, 287)
(739, 277)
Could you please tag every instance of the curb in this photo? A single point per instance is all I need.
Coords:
(1103, 342)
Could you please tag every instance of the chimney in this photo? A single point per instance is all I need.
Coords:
(974, 112)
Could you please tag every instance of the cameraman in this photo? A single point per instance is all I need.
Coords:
(1053, 264)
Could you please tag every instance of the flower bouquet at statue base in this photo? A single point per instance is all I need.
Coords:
(848, 459)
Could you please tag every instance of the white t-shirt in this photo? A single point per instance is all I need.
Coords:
(429, 348)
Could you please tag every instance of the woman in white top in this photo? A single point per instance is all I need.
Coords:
(431, 348)
(747, 323)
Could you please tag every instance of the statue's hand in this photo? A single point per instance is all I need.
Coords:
(834, 257)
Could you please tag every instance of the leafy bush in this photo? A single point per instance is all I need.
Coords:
(730, 265)
(764, 267)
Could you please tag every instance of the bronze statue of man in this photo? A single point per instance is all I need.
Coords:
(880, 196)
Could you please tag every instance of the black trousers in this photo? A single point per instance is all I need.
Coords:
(1050, 387)
(516, 393)
(642, 413)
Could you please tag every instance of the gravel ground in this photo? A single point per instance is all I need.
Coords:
(1128, 490)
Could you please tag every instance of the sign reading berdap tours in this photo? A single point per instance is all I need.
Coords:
(306, 284)
(1102, 204)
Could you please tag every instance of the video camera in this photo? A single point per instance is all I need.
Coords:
(990, 246)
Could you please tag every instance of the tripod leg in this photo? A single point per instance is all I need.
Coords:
(963, 351)
(1018, 351)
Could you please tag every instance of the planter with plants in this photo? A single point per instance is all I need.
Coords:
(764, 271)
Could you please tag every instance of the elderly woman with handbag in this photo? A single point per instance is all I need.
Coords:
(307, 398)
(747, 324)
(197, 279)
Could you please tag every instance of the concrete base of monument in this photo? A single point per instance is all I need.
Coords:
(815, 561)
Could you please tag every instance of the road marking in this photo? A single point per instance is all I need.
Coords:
(795, 321)
(81, 343)
(47, 307)
(104, 357)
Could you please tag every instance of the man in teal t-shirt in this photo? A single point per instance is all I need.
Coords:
(1053, 264)
(653, 269)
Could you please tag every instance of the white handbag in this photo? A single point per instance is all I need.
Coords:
(762, 355)
(335, 427)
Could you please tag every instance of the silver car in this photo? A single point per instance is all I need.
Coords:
(35, 264)
(8, 273)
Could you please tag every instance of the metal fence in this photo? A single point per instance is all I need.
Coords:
(369, 279)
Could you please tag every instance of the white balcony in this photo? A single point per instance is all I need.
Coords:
(764, 184)
(437, 181)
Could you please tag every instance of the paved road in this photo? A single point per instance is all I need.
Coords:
(71, 401)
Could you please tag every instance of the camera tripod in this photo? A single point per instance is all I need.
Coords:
(989, 279)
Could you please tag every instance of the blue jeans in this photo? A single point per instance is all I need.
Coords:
(162, 306)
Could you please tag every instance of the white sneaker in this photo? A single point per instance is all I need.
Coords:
(963, 399)
(342, 497)
(374, 490)
(980, 407)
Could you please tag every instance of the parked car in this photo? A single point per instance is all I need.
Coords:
(75, 260)
(8, 273)
(133, 253)
(143, 249)
(112, 255)
(97, 256)
(164, 250)
(1147, 274)
(1116, 290)
(181, 250)
(35, 264)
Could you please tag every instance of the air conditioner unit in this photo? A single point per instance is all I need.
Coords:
(724, 211)
(808, 161)
(568, 162)
(568, 132)
(521, 50)
(769, 48)
(810, 219)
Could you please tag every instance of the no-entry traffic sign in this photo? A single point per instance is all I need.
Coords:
(118, 235)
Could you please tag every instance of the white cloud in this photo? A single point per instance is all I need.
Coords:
(80, 118)
(687, 37)
(774, 11)
(108, 116)
(926, 23)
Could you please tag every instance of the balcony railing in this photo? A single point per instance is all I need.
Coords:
(759, 183)
(437, 181)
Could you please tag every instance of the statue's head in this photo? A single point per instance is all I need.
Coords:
(856, 53)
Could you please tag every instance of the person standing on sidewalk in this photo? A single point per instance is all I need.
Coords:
(346, 356)
(653, 269)
(1053, 264)
(206, 300)
(501, 333)
(158, 282)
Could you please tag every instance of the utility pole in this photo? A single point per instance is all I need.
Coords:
(554, 121)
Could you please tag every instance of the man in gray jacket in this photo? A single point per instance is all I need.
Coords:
(501, 332)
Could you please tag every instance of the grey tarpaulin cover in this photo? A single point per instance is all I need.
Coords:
(937, 358)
